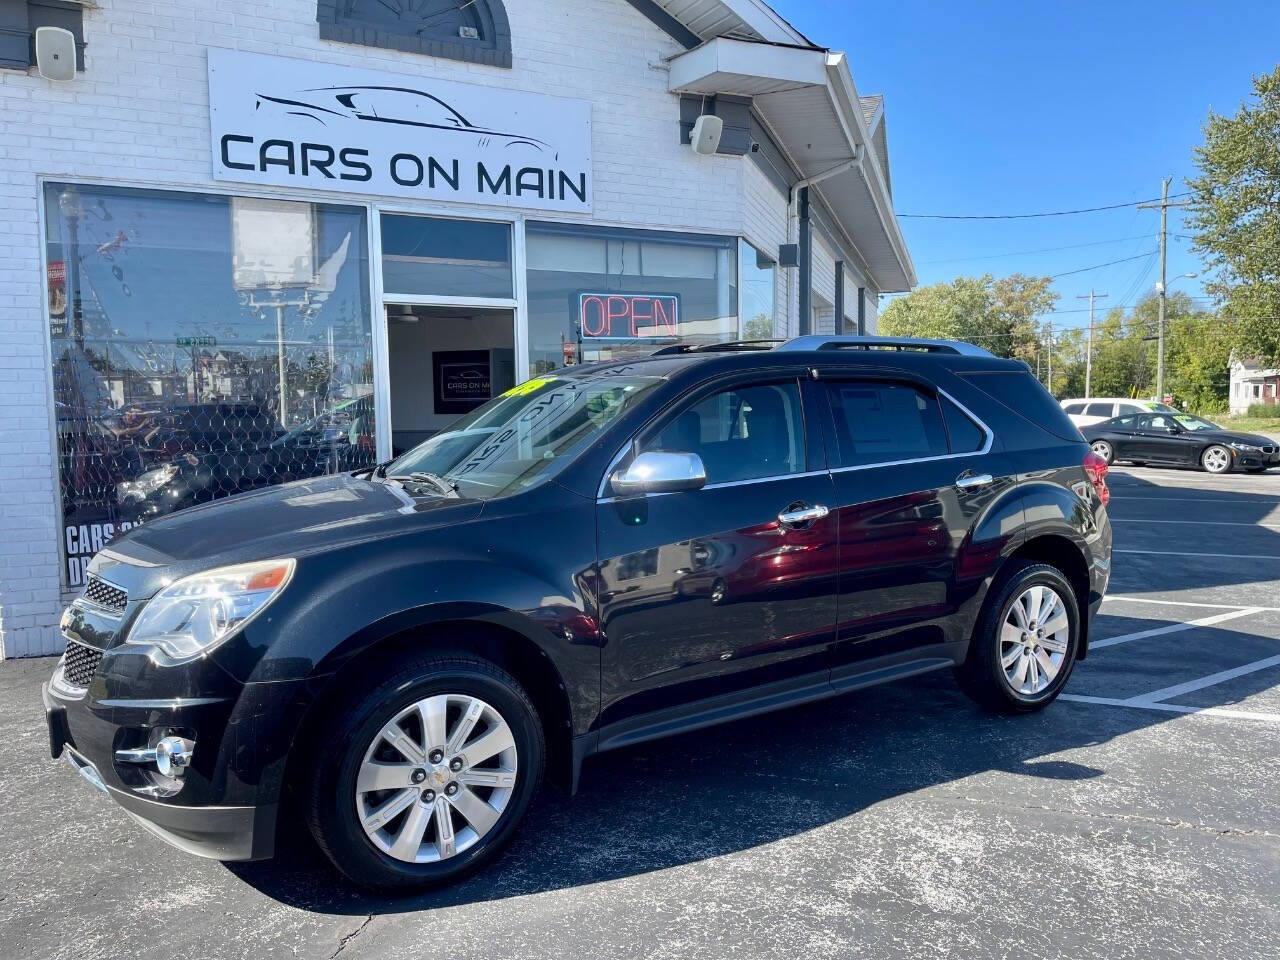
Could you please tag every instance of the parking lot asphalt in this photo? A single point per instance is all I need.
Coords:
(1139, 816)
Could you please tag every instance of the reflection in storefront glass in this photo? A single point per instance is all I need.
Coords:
(759, 313)
(202, 346)
(601, 294)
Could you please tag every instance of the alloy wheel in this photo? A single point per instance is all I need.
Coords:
(1102, 449)
(1033, 640)
(1216, 459)
(436, 778)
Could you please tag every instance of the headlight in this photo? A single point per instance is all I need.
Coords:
(192, 615)
(149, 482)
(1245, 447)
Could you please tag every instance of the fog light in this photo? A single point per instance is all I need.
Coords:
(173, 756)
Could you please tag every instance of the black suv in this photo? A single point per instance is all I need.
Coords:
(598, 557)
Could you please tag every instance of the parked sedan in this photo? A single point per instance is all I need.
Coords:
(1179, 438)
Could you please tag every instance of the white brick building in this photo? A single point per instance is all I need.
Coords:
(159, 300)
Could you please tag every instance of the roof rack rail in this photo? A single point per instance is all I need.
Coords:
(724, 345)
(819, 341)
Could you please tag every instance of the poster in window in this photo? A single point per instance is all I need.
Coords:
(462, 380)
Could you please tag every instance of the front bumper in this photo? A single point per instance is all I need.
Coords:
(225, 806)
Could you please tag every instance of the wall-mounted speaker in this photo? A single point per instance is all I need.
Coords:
(707, 130)
(56, 53)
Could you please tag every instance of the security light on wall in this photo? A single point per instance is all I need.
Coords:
(707, 130)
(56, 53)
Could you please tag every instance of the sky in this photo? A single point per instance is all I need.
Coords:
(1024, 106)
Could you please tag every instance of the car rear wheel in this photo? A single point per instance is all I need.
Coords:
(1104, 450)
(1025, 645)
(1216, 459)
(427, 774)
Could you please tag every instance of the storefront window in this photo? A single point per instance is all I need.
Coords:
(445, 258)
(759, 316)
(202, 346)
(599, 294)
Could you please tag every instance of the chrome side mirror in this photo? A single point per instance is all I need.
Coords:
(659, 472)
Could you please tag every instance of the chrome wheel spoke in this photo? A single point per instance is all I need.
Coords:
(479, 814)
(376, 775)
(490, 745)
(394, 734)
(499, 779)
(409, 840)
(432, 713)
(1047, 667)
(446, 842)
(1054, 644)
(466, 723)
(377, 818)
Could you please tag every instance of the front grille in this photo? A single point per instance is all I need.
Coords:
(98, 591)
(1268, 450)
(80, 663)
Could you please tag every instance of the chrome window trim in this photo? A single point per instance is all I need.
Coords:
(721, 485)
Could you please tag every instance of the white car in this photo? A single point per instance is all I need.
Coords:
(1084, 413)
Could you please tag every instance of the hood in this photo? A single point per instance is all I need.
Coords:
(1232, 436)
(290, 520)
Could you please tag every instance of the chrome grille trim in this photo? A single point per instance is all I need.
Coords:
(79, 663)
(104, 596)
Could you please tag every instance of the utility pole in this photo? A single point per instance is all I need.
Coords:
(1051, 356)
(1088, 355)
(1164, 206)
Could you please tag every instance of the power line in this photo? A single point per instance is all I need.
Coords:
(1028, 216)
(1019, 253)
(1099, 266)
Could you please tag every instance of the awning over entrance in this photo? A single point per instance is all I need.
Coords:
(806, 96)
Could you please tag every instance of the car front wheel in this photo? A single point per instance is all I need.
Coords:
(1216, 459)
(1026, 641)
(427, 774)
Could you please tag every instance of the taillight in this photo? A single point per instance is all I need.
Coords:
(1096, 470)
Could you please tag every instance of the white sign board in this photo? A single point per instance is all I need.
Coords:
(295, 123)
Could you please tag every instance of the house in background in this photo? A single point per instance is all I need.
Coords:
(1252, 383)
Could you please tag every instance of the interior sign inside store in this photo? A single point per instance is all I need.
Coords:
(295, 123)
(628, 316)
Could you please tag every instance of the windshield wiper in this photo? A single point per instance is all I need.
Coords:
(446, 487)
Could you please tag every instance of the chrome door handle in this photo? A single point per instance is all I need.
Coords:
(974, 480)
(794, 518)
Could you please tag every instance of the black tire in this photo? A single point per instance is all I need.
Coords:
(981, 675)
(1105, 450)
(330, 798)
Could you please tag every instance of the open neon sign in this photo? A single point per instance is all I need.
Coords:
(628, 316)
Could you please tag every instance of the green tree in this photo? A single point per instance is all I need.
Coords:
(1235, 214)
(1001, 315)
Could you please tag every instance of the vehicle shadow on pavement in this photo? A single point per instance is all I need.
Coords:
(727, 789)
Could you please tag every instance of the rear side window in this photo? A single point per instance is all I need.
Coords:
(1099, 410)
(1128, 421)
(1129, 408)
(1026, 396)
(885, 422)
(963, 434)
(1074, 408)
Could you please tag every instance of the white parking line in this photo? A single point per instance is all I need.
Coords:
(1178, 690)
(1188, 603)
(1184, 553)
(1173, 627)
(1204, 523)
(1173, 708)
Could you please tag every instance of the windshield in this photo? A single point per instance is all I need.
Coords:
(523, 436)
(1188, 422)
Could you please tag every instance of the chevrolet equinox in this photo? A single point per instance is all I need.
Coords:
(600, 556)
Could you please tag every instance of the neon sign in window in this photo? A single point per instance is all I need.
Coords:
(628, 316)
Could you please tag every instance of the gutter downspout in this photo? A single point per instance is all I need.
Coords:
(800, 197)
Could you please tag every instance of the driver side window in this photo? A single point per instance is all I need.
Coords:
(748, 432)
